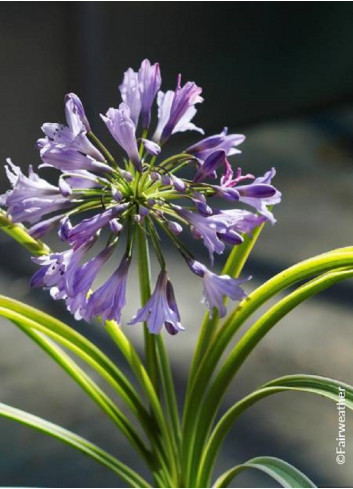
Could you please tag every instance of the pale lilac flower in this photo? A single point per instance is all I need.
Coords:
(176, 109)
(223, 141)
(130, 94)
(82, 277)
(161, 309)
(83, 179)
(43, 227)
(208, 228)
(241, 221)
(109, 300)
(75, 115)
(87, 228)
(149, 77)
(73, 136)
(51, 275)
(57, 270)
(260, 194)
(70, 160)
(31, 197)
(216, 287)
(123, 130)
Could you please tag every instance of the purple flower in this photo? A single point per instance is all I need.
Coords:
(161, 309)
(57, 270)
(216, 287)
(261, 194)
(228, 143)
(83, 277)
(87, 228)
(130, 93)
(75, 115)
(80, 281)
(176, 109)
(241, 221)
(213, 161)
(207, 228)
(109, 300)
(31, 197)
(123, 130)
(43, 227)
(72, 136)
(70, 160)
(51, 275)
(149, 77)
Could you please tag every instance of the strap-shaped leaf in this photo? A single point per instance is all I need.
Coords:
(81, 346)
(93, 356)
(83, 380)
(321, 386)
(282, 472)
(123, 471)
(208, 408)
(324, 263)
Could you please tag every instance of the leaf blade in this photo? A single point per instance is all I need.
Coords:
(282, 472)
(75, 441)
(313, 384)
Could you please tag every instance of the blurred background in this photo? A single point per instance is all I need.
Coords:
(283, 75)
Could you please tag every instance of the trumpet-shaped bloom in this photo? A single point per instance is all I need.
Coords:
(87, 228)
(260, 194)
(31, 197)
(123, 130)
(75, 115)
(130, 93)
(161, 309)
(176, 109)
(149, 77)
(223, 141)
(217, 287)
(109, 300)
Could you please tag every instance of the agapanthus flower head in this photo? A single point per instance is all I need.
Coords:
(98, 199)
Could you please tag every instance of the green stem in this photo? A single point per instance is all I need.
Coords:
(145, 293)
(134, 360)
(156, 353)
